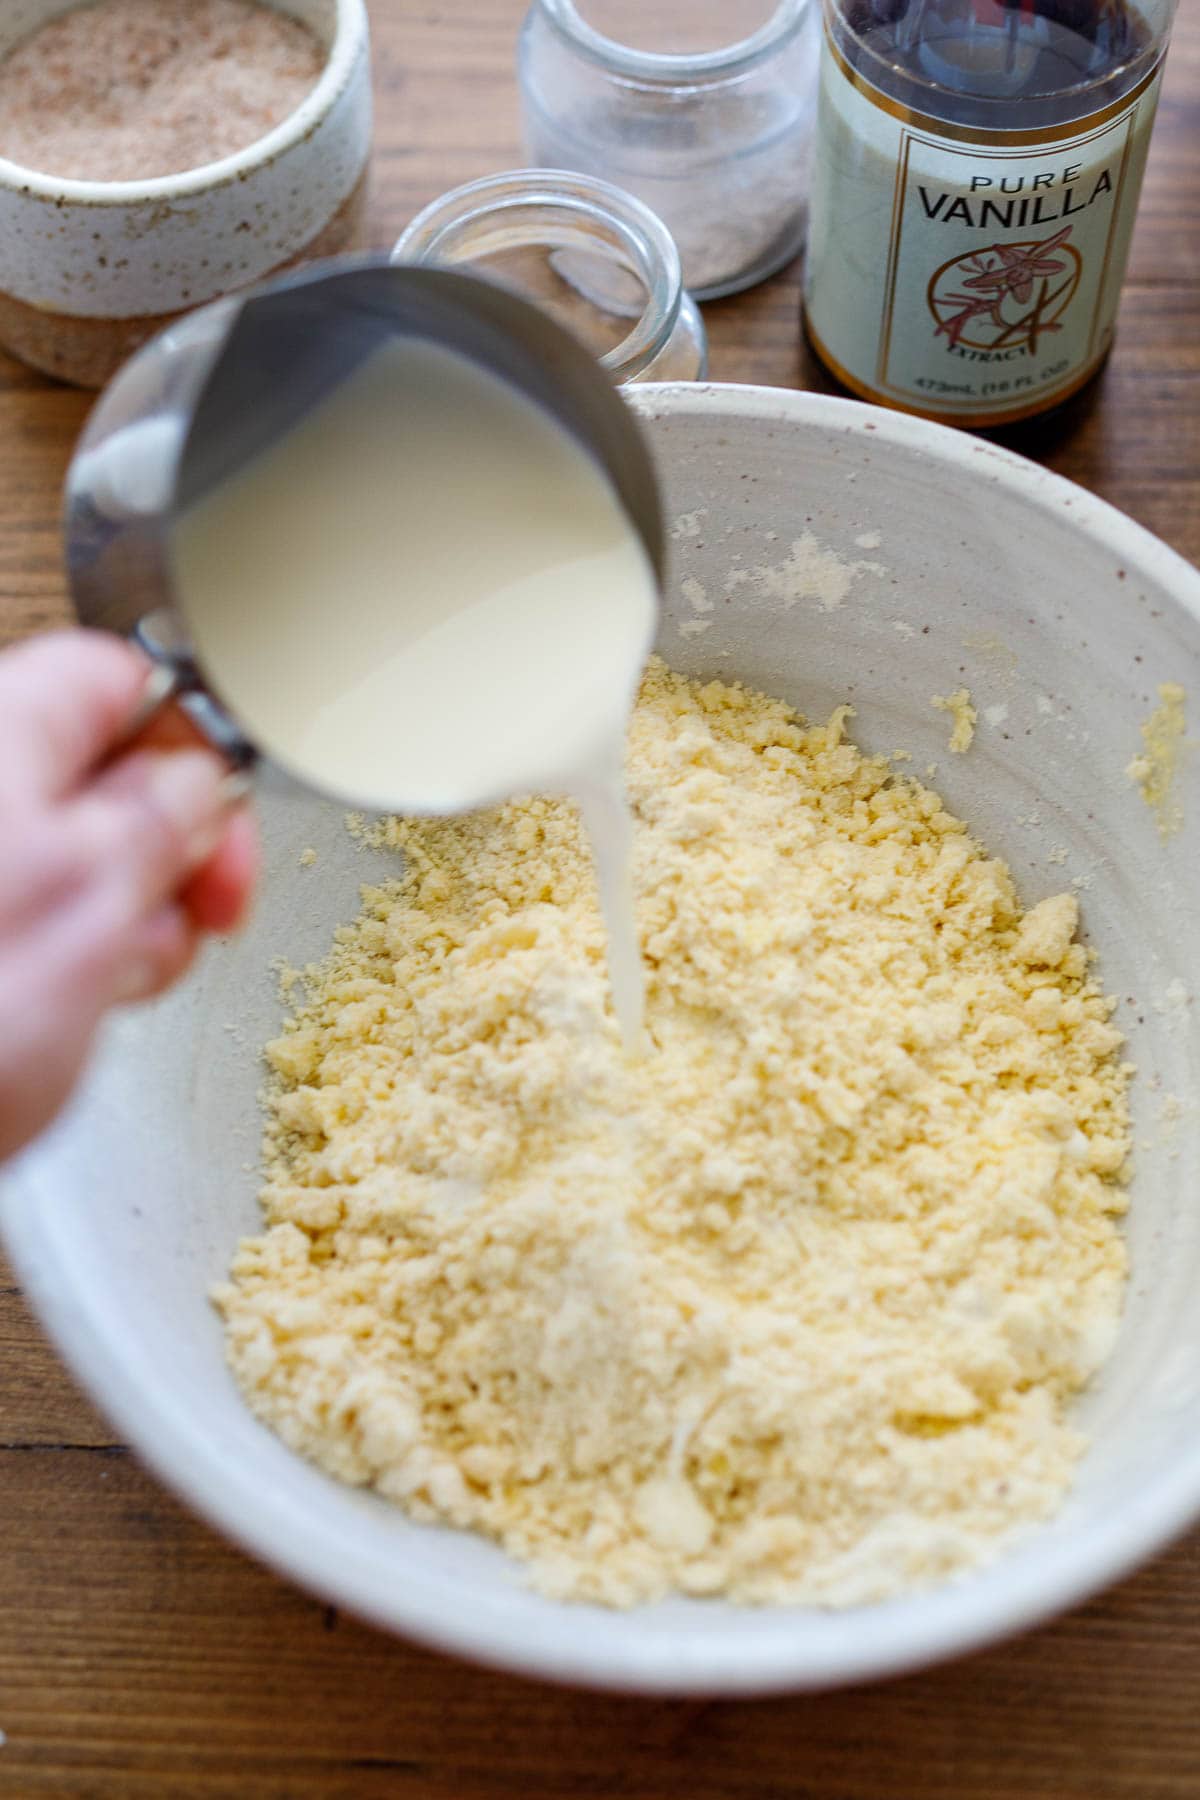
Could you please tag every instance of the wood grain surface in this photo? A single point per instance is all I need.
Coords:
(141, 1656)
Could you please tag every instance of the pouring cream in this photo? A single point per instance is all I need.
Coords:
(427, 598)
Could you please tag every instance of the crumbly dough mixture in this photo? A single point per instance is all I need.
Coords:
(790, 1310)
(964, 715)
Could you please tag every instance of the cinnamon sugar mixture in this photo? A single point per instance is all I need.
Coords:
(125, 90)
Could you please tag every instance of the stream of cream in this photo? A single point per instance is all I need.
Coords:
(427, 598)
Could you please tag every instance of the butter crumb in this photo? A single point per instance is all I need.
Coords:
(1153, 772)
(958, 705)
(1170, 1110)
(1046, 931)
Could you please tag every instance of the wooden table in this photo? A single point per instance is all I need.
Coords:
(141, 1656)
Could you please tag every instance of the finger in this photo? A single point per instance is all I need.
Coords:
(64, 700)
(218, 896)
(157, 954)
(48, 857)
(56, 980)
(56, 983)
(144, 827)
(39, 869)
(42, 1050)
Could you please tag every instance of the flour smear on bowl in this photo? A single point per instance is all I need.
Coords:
(790, 1310)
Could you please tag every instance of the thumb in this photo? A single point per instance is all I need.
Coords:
(144, 826)
(63, 700)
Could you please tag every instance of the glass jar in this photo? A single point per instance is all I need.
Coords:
(715, 141)
(593, 256)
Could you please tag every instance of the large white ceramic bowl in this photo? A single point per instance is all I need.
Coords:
(1061, 616)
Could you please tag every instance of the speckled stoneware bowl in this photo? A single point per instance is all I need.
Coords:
(962, 564)
(90, 269)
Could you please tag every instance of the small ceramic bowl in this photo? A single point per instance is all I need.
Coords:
(92, 268)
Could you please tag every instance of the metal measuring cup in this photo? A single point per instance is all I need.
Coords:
(218, 388)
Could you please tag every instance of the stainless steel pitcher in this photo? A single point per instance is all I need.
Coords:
(216, 389)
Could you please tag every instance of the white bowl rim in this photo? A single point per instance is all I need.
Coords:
(905, 1635)
(350, 31)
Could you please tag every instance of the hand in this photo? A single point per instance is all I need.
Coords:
(110, 873)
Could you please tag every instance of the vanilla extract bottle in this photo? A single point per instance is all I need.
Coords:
(977, 172)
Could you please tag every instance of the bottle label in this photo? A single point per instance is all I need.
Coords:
(972, 276)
